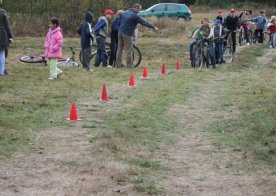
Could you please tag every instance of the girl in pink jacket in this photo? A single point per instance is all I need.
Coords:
(52, 44)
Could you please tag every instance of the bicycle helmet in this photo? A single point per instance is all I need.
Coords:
(273, 18)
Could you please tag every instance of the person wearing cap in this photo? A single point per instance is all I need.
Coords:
(232, 24)
(129, 20)
(219, 34)
(261, 23)
(244, 23)
(220, 17)
(87, 37)
(114, 37)
(101, 32)
(5, 38)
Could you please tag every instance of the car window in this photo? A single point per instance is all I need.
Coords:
(159, 8)
(173, 7)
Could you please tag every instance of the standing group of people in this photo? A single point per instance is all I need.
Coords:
(216, 34)
(123, 34)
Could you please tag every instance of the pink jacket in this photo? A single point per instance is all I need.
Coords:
(53, 43)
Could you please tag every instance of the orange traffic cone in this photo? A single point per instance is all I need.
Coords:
(163, 70)
(104, 94)
(177, 65)
(131, 80)
(145, 73)
(73, 113)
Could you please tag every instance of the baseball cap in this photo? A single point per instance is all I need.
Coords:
(232, 10)
(108, 12)
(219, 11)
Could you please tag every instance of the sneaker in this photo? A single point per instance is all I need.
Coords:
(109, 66)
(248, 44)
(52, 78)
(59, 74)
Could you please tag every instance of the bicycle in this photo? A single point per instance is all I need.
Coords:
(228, 54)
(61, 62)
(137, 56)
(200, 54)
(242, 35)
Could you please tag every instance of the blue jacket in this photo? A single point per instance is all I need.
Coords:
(86, 32)
(115, 26)
(129, 20)
(260, 21)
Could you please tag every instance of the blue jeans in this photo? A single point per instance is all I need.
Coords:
(101, 52)
(219, 52)
(2, 62)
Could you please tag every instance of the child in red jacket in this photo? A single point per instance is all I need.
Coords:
(52, 44)
(271, 28)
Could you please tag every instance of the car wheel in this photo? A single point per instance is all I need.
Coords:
(181, 18)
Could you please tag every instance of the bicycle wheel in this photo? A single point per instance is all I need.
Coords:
(137, 57)
(250, 36)
(241, 37)
(93, 53)
(32, 59)
(267, 37)
(228, 54)
(68, 63)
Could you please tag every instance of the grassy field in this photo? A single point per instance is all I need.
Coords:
(123, 145)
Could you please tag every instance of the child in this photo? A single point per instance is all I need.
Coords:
(220, 17)
(87, 37)
(219, 33)
(52, 44)
(271, 26)
(101, 31)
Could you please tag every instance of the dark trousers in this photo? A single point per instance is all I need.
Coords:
(219, 52)
(246, 32)
(101, 52)
(114, 46)
(86, 52)
(233, 36)
(211, 52)
(261, 38)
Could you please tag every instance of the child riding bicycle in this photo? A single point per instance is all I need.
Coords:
(271, 28)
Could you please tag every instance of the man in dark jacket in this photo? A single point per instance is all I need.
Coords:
(5, 37)
(87, 36)
(232, 24)
(129, 20)
(114, 37)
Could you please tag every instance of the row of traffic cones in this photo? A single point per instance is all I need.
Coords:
(73, 113)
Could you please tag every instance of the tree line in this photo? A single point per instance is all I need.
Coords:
(35, 13)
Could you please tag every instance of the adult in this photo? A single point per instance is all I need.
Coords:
(114, 36)
(232, 24)
(129, 20)
(261, 23)
(5, 37)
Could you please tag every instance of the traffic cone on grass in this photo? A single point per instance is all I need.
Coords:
(73, 113)
(145, 73)
(177, 65)
(104, 94)
(131, 82)
(163, 70)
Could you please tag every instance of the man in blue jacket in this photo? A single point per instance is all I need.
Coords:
(260, 22)
(129, 20)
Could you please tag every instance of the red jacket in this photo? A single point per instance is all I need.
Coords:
(272, 28)
(53, 43)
